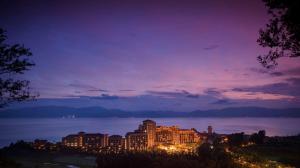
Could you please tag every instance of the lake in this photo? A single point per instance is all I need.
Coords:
(54, 129)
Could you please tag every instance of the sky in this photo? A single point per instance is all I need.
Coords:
(149, 55)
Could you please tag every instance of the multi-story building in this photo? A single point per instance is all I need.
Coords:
(40, 144)
(136, 140)
(148, 135)
(143, 138)
(95, 140)
(116, 142)
(149, 127)
(188, 136)
(84, 140)
(167, 135)
(173, 135)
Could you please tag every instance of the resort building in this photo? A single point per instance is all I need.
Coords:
(116, 143)
(188, 136)
(143, 138)
(136, 140)
(148, 136)
(85, 140)
(167, 135)
(173, 135)
(40, 144)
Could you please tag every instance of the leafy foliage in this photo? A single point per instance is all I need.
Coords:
(236, 139)
(206, 157)
(258, 138)
(13, 62)
(281, 149)
(282, 33)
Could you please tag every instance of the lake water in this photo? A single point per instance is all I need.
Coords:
(12, 130)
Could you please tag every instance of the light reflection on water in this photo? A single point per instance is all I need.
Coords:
(12, 130)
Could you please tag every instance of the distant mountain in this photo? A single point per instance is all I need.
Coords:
(61, 111)
(248, 112)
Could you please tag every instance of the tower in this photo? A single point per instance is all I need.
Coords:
(149, 127)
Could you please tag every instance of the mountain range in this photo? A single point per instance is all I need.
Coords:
(61, 111)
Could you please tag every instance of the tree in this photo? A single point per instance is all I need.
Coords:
(258, 138)
(13, 62)
(236, 139)
(282, 33)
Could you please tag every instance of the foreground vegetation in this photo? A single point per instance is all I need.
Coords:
(235, 150)
(284, 150)
(22, 155)
(206, 157)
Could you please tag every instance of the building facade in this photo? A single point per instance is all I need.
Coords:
(149, 127)
(143, 138)
(188, 136)
(167, 135)
(136, 140)
(173, 136)
(116, 143)
(84, 140)
(148, 136)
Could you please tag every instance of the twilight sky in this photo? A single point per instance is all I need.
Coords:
(149, 55)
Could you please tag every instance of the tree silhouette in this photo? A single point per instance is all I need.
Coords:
(13, 62)
(282, 33)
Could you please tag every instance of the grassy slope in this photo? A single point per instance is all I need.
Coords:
(284, 154)
(48, 160)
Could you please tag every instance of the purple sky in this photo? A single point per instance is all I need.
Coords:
(149, 55)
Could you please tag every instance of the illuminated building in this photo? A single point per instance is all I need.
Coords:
(188, 136)
(136, 140)
(149, 127)
(84, 140)
(148, 135)
(116, 142)
(167, 135)
(40, 144)
(173, 135)
(143, 138)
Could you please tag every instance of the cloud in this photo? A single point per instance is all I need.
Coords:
(286, 89)
(75, 96)
(275, 88)
(276, 74)
(292, 72)
(259, 70)
(127, 90)
(174, 94)
(105, 97)
(98, 90)
(81, 86)
(163, 86)
(267, 72)
(294, 81)
(289, 72)
(192, 96)
(165, 94)
(256, 95)
(87, 87)
(211, 47)
(223, 102)
(214, 92)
